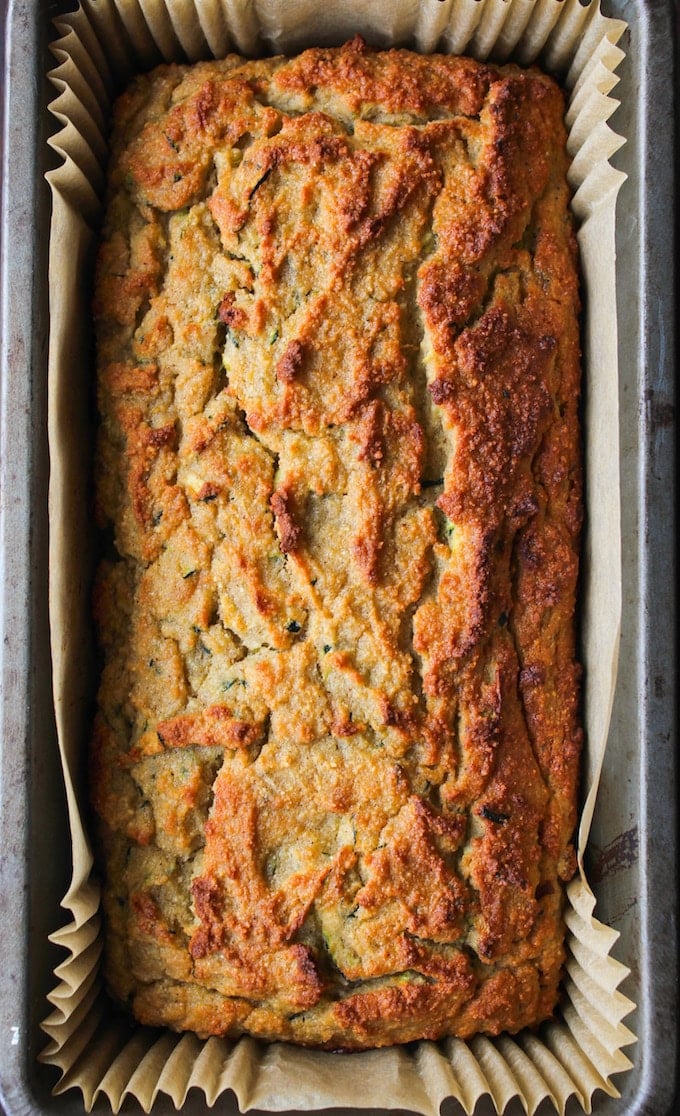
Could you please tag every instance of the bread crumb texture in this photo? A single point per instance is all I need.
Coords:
(335, 760)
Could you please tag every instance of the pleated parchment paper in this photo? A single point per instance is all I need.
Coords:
(100, 46)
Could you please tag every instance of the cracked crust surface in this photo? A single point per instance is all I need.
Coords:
(335, 759)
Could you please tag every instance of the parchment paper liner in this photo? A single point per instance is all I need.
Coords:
(101, 46)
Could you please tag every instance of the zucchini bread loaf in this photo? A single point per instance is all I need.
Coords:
(334, 765)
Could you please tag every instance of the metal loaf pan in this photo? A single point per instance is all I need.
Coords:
(633, 851)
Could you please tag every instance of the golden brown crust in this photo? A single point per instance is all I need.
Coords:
(336, 755)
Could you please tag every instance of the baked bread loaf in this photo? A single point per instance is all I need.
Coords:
(335, 760)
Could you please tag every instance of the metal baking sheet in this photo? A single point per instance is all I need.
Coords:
(633, 848)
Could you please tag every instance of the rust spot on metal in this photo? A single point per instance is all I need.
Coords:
(661, 412)
(620, 853)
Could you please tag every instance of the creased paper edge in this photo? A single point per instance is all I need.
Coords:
(451, 1065)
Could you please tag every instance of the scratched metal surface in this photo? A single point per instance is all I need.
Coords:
(632, 853)
(633, 847)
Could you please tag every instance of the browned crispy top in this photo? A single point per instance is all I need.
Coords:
(336, 754)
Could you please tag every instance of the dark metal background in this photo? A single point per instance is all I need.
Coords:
(633, 850)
